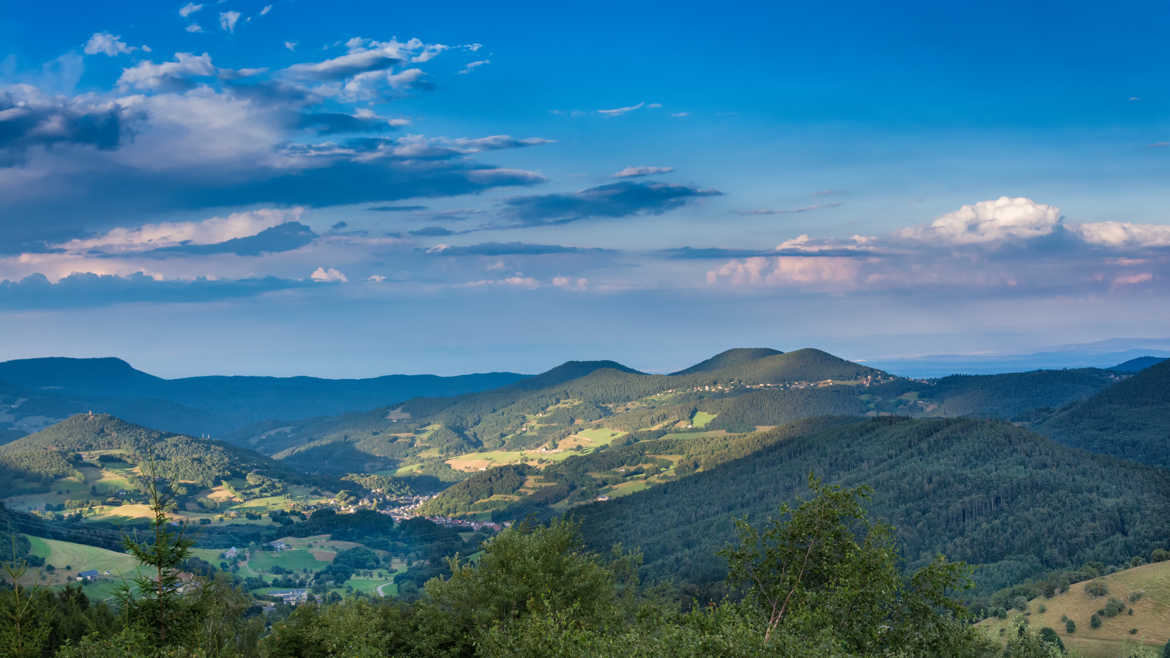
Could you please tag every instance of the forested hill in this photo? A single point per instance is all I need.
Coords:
(546, 409)
(986, 492)
(98, 441)
(1130, 419)
(583, 405)
(34, 393)
(1138, 364)
(733, 357)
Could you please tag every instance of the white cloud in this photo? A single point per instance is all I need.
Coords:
(990, 221)
(568, 283)
(151, 76)
(404, 79)
(290, 45)
(167, 234)
(194, 28)
(1123, 234)
(471, 66)
(517, 280)
(679, 115)
(189, 8)
(787, 270)
(635, 172)
(228, 20)
(376, 278)
(107, 44)
(265, 10)
(618, 111)
(328, 275)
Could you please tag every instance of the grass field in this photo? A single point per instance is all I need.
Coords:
(1151, 613)
(295, 559)
(701, 419)
(78, 558)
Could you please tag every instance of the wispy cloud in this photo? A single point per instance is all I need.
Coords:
(637, 172)
(189, 8)
(788, 211)
(228, 20)
(618, 111)
(471, 66)
(613, 200)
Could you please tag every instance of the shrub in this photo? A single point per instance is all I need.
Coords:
(1096, 589)
(1095, 621)
(1134, 597)
(1041, 608)
(1159, 555)
(1020, 603)
(1070, 626)
(1113, 608)
(1133, 631)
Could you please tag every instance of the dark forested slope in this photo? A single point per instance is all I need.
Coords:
(1130, 419)
(985, 492)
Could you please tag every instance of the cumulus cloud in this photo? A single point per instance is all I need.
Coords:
(328, 275)
(189, 8)
(637, 172)
(1123, 234)
(168, 75)
(194, 28)
(1008, 245)
(990, 221)
(107, 44)
(614, 200)
(228, 20)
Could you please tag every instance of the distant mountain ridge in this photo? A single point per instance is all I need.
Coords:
(34, 393)
(1138, 364)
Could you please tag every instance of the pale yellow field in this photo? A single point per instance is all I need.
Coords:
(1151, 613)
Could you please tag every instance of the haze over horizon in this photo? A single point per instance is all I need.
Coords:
(276, 188)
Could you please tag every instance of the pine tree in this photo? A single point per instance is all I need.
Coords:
(159, 607)
(23, 632)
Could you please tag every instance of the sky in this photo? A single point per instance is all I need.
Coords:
(288, 187)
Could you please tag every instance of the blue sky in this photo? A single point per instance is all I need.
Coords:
(284, 187)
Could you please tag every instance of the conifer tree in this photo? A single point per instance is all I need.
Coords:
(22, 631)
(158, 606)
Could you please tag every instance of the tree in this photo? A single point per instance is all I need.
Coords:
(158, 607)
(825, 565)
(1166, 650)
(1070, 626)
(25, 631)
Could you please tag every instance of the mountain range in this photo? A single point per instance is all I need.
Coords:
(35, 393)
